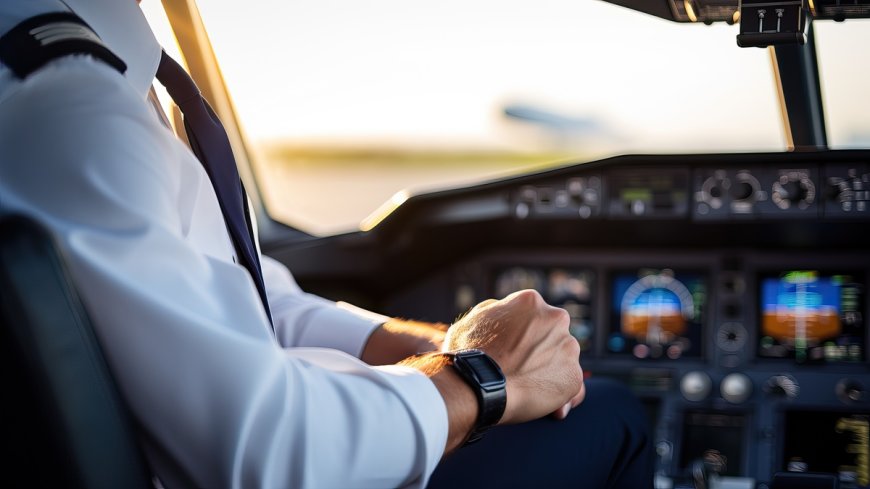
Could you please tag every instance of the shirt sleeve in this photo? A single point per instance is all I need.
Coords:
(184, 332)
(303, 319)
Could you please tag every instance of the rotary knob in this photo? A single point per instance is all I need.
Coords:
(736, 388)
(783, 386)
(849, 193)
(742, 191)
(793, 189)
(713, 189)
(745, 191)
(696, 386)
(850, 391)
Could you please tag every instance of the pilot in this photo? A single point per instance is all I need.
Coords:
(233, 389)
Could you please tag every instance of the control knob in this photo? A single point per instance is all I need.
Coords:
(793, 189)
(782, 386)
(743, 190)
(695, 385)
(736, 388)
(713, 190)
(850, 193)
(850, 391)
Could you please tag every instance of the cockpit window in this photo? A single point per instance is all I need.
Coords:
(347, 102)
(844, 68)
(163, 31)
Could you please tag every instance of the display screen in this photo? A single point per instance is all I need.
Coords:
(811, 317)
(657, 313)
(640, 193)
(568, 288)
(833, 442)
(716, 439)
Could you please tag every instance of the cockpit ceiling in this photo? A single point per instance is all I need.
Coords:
(708, 11)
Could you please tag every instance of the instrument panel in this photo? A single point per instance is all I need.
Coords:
(810, 191)
(729, 292)
(748, 362)
(805, 316)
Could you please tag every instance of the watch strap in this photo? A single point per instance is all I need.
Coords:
(486, 379)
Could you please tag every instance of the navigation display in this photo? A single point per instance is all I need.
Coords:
(657, 313)
(811, 317)
(833, 442)
(568, 288)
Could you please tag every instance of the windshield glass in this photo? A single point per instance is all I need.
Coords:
(347, 102)
(845, 68)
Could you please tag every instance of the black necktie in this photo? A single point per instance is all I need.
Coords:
(210, 144)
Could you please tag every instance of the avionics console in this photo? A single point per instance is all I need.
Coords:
(730, 292)
(746, 366)
(730, 295)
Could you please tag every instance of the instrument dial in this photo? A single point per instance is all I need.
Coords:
(793, 189)
(731, 337)
(782, 386)
(656, 309)
(714, 189)
(745, 191)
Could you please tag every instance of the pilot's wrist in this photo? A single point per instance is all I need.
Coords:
(459, 399)
(488, 383)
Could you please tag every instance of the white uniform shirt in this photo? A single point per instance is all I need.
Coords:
(221, 400)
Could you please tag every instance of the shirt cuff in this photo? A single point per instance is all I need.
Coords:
(349, 328)
(430, 413)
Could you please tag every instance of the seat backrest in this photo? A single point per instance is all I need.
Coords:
(64, 422)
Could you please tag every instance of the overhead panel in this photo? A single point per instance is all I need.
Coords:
(709, 11)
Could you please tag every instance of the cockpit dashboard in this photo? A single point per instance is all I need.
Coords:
(730, 292)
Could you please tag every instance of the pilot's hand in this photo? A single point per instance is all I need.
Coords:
(398, 339)
(530, 341)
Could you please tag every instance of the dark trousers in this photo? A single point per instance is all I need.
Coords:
(604, 443)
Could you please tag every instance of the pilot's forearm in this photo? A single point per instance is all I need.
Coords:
(398, 339)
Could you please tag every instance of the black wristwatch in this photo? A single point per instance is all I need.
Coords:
(488, 383)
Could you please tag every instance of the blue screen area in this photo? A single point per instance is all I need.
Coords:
(811, 317)
(810, 293)
(657, 314)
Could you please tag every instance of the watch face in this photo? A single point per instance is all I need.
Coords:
(487, 371)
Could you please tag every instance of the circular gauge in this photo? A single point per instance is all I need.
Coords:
(731, 337)
(518, 278)
(656, 309)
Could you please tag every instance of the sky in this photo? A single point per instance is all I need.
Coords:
(414, 72)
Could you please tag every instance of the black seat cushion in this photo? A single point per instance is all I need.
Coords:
(64, 422)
